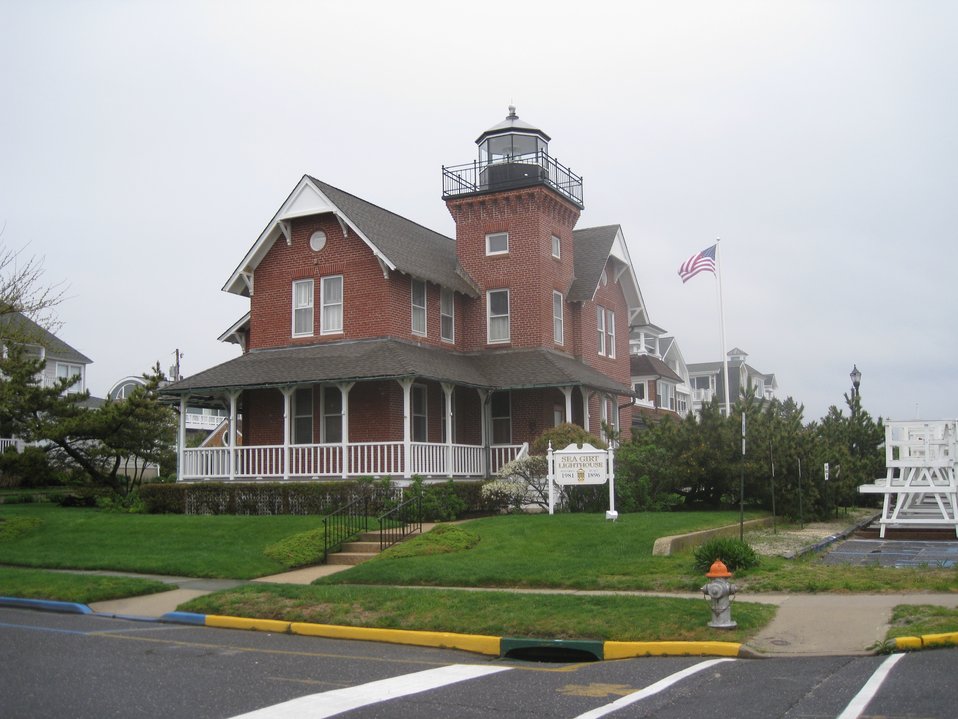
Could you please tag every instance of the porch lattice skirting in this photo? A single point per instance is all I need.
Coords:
(920, 487)
(356, 459)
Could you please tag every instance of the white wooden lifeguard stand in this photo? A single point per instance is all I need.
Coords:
(920, 484)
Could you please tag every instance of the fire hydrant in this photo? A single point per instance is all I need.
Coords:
(719, 591)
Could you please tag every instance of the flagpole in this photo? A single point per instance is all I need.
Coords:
(718, 276)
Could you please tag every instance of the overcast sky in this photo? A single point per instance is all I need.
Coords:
(145, 145)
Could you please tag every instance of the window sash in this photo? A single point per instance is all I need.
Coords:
(610, 333)
(497, 307)
(600, 327)
(332, 307)
(500, 407)
(302, 308)
(497, 243)
(303, 416)
(418, 294)
(447, 315)
(558, 333)
(556, 247)
(332, 415)
(420, 414)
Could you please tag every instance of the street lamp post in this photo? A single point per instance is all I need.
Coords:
(856, 380)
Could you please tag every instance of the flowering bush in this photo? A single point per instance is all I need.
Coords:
(519, 484)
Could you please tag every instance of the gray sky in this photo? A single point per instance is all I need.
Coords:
(145, 145)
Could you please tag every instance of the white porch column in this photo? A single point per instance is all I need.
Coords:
(406, 385)
(287, 426)
(181, 440)
(586, 396)
(484, 437)
(567, 391)
(234, 398)
(447, 390)
(344, 388)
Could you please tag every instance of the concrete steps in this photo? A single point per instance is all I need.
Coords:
(358, 551)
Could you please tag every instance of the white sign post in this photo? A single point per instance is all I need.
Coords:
(579, 466)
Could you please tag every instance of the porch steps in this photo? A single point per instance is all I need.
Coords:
(352, 553)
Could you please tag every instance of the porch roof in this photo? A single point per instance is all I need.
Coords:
(365, 360)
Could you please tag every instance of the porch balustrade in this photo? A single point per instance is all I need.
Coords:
(326, 461)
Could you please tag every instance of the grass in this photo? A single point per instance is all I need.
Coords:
(194, 546)
(495, 613)
(911, 620)
(66, 587)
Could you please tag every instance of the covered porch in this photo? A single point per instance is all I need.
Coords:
(384, 408)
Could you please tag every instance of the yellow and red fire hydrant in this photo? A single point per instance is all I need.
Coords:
(719, 592)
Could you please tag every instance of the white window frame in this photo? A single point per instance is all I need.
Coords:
(71, 370)
(502, 417)
(423, 416)
(418, 310)
(490, 317)
(556, 247)
(447, 311)
(327, 327)
(558, 317)
(327, 416)
(642, 389)
(300, 413)
(305, 308)
(610, 334)
(600, 327)
(489, 238)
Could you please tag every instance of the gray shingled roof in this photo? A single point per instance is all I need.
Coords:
(392, 359)
(414, 250)
(20, 328)
(591, 247)
(647, 365)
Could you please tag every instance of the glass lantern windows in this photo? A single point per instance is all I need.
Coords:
(503, 148)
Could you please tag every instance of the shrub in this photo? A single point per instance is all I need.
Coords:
(521, 482)
(299, 550)
(440, 502)
(735, 553)
(562, 436)
(30, 468)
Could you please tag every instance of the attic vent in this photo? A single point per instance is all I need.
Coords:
(317, 241)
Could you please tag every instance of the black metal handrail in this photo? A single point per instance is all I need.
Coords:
(402, 520)
(512, 172)
(345, 522)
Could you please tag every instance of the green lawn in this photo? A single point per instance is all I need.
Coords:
(173, 544)
(66, 587)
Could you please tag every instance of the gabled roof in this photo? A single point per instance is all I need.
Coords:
(394, 359)
(18, 327)
(398, 243)
(593, 247)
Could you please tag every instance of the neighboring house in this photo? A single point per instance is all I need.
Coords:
(659, 375)
(61, 361)
(707, 381)
(375, 346)
(198, 419)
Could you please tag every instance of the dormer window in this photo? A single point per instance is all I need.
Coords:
(497, 243)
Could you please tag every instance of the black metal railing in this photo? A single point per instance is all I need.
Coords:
(399, 522)
(345, 522)
(515, 171)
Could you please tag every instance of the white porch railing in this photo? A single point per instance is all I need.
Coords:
(326, 461)
(17, 444)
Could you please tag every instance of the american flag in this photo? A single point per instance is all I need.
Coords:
(703, 261)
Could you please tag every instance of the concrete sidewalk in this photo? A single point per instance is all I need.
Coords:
(804, 625)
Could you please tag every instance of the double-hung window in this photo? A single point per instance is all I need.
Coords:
(556, 247)
(332, 307)
(303, 415)
(501, 410)
(418, 307)
(420, 417)
(447, 315)
(332, 415)
(497, 314)
(302, 308)
(600, 327)
(71, 371)
(557, 315)
(610, 333)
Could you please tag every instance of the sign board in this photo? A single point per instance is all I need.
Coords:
(587, 465)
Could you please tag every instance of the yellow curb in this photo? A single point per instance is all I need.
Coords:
(478, 643)
(907, 644)
(627, 650)
(260, 625)
(940, 640)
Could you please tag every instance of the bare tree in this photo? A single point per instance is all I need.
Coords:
(22, 289)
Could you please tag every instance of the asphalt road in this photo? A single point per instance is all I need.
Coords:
(58, 665)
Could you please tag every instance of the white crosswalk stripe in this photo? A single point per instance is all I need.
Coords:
(337, 701)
